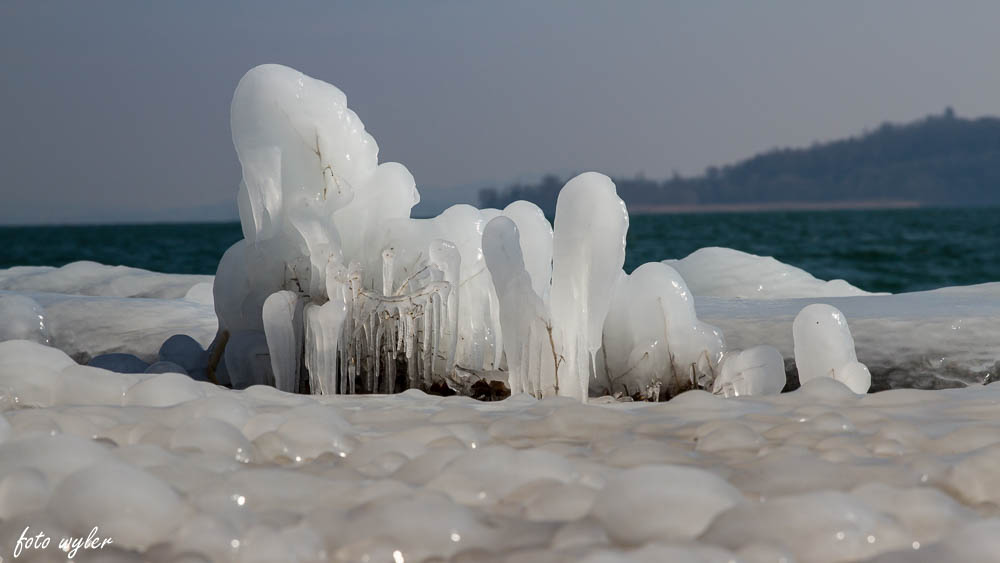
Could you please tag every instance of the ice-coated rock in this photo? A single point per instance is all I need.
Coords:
(824, 348)
(186, 352)
(756, 371)
(167, 367)
(121, 363)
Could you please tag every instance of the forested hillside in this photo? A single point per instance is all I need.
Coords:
(939, 160)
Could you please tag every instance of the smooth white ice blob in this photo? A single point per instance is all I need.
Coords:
(22, 319)
(824, 527)
(724, 272)
(126, 503)
(756, 371)
(588, 251)
(653, 338)
(824, 348)
(662, 502)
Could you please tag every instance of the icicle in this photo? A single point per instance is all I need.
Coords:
(282, 313)
(388, 257)
(323, 326)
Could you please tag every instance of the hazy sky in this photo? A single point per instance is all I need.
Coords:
(120, 110)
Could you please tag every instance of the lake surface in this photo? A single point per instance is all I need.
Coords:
(877, 250)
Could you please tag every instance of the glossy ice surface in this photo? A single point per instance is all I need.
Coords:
(187, 471)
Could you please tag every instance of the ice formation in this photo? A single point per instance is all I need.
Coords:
(179, 470)
(346, 293)
(91, 278)
(824, 348)
(756, 371)
(724, 272)
(653, 340)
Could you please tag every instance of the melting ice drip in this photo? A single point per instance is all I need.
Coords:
(337, 289)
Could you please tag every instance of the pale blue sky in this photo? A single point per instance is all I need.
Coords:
(120, 110)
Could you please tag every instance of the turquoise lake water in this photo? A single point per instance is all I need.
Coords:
(884, 250)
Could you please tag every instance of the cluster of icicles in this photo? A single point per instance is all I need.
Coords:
(336, 289)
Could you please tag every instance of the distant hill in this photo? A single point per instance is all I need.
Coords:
(938, 160)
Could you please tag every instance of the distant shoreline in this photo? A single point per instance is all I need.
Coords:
(773, 206)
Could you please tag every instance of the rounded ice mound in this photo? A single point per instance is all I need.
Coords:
(755, 371)
(824, 347)
(127, 503)
(724, 272)
(23, 319)
(662, 502)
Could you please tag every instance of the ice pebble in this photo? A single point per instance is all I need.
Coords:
(558, 502)
(126, 503)
(164, 390)
(54, 456)
(427, 466)
(87, 385)
(977, 541)
(662, 502)
(730, 436)
(213, 436)
(225, 407)
(755, 371)
(485, 475)
(657, 553)
(824, 347)
(975, 478)
(819, 527)
(927, 513)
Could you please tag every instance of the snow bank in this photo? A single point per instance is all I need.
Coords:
(174, 469)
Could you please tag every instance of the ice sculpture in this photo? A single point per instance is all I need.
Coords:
(336, 289)
(824, 348)
(755, 371)
(653, 341)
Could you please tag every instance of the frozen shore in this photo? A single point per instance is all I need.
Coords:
(177, 470)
